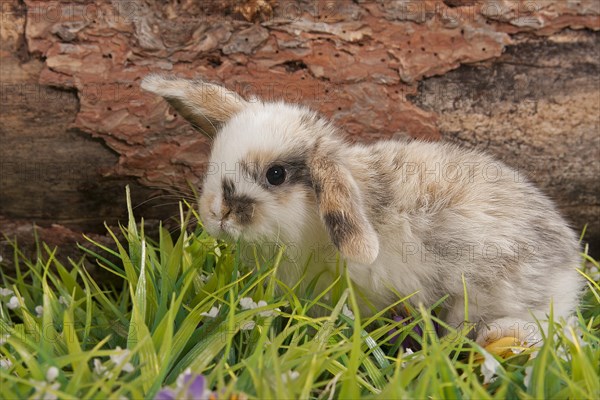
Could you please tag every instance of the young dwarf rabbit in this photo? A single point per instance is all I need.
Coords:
(406, 217)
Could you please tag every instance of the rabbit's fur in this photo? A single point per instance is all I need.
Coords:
(406, 216)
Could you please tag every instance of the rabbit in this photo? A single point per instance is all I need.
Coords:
(420, 218)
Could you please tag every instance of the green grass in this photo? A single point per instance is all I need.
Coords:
(136, 338)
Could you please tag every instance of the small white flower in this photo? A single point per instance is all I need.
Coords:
(42, 392)
(5, 292)
(490, 367)
(4, 338)
(120, 355)
(212, 313)
(347, 312)
(50, 396)
(5, 363)
(267, 313)
(247, 303)
(51, 374)
(39, 310)
(99, 369)
(118, 359)
(248, 325)
(13, 303)
(407, 352)
(63, 301)
(128, 367)
(289, 376)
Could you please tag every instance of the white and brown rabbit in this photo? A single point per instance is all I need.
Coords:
(406, 216)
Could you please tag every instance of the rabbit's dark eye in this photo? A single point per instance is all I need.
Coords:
(276, 175)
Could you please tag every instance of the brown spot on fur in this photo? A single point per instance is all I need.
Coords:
(318, 189)
(341, 210)
(205, 105)
(295, 164)
(228, 188)
(250, 169)
(340, 227)
(298, 170)
(380, 183)
(241, 206)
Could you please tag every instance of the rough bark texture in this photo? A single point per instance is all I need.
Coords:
(519, 78)
(537, 107)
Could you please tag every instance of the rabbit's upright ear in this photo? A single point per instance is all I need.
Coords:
(205, 105)
(341, 208)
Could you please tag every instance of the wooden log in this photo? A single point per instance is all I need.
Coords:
(519, 79)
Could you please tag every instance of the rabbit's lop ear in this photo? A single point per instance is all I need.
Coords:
(341, 210)
(205, 105)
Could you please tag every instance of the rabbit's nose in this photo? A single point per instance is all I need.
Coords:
(225, 211)
(219, 210)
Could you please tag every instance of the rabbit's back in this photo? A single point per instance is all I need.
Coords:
(443, 213)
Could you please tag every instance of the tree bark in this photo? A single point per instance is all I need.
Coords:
(519, 79)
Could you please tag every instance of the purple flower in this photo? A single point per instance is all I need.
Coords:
(166, 394)
(188, 386)
(197, 388)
